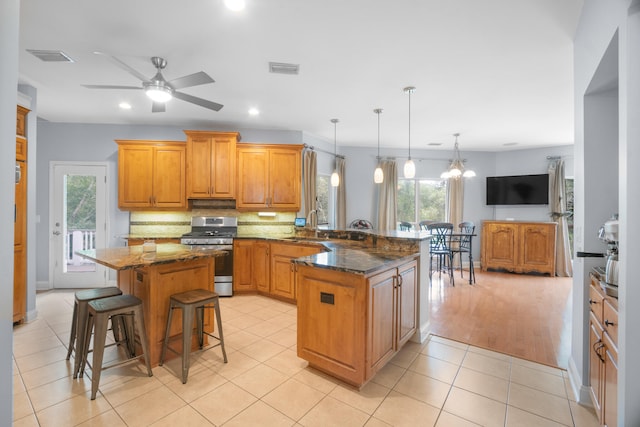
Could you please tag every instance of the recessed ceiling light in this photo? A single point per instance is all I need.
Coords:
(254, 111)
(509, 144)
(235, 5)
(435, 144)
(125, 106)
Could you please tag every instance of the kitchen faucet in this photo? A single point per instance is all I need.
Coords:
(315, 212)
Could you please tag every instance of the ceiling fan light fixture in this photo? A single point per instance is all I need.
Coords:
(158, 93)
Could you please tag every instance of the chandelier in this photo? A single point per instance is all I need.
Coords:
(335, 177)
(456, 168)
(378, 175)
(409, 166)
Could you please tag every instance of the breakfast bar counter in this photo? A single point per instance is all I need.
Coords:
(153, 276)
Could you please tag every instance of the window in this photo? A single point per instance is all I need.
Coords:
(322, 200)
(421, 199)
(568, 192)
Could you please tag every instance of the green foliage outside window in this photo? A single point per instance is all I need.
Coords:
(81, 202)
(428, 195)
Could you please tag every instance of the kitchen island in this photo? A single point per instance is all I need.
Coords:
(155, 275)
(361, 301)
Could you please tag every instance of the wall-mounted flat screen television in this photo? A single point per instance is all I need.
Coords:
(518, 190)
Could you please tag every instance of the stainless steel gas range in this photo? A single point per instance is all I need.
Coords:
(215, 232)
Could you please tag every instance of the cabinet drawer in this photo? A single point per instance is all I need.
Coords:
(610, 322)
(596, 302)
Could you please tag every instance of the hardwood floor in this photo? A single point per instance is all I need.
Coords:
(526, 316)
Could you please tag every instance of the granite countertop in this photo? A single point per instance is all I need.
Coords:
(361, 260)
(133, 256)
(355, 251)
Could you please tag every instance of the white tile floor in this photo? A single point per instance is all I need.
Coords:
(440, 383)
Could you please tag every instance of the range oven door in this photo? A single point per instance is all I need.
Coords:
(223, 281)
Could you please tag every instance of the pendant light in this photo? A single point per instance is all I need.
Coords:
(456, 168)
(409, 166)
(378, 175)
(335, 178)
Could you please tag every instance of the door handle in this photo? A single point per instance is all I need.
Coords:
(56, 233)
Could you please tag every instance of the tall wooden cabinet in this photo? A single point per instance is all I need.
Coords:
(20, 219)
(603, 355)
(211, 164)
(151, 174)
(520, 247)
(269, 177)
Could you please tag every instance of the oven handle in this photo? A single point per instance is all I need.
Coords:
(214, 247)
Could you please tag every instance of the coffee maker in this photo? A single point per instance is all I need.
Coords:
(608, 233)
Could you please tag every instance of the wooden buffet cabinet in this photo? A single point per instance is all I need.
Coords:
(265, 267)
(520, 247)
(20, 219)
(269, 177)
(350, 325)
(151, 175)
(211, 164)
(603, 354)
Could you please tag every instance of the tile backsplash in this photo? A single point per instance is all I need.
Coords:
(174, 224)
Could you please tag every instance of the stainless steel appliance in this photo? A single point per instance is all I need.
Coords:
(608, 275)
(215, 232)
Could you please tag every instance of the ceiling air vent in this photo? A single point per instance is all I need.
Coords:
(283, 68)
(50, 55)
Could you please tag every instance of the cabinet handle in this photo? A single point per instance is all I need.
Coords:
(596, 348)
(399, 276)
(608, 323)
(592, 301)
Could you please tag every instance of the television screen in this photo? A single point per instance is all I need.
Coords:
(518, 190)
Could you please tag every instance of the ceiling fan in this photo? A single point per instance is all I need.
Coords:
(161, 90)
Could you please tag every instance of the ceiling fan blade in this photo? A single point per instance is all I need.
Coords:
(158, 107)
(124, 66)
(194, 79)
(111, 87)
(198, 101)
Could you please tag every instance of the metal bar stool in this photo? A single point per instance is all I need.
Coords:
(99, 313)
(193, 302)
(79, 321)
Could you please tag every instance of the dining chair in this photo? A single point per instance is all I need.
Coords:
(424, 223)
(405, 226)
(463, 243)
(440, 247)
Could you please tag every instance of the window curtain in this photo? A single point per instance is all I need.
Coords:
(388, 196)
(558, 205)
(455, 201)
(309, 173)
(341, 196)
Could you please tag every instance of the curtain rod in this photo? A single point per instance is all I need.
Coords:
(559, 157)
(312, 148)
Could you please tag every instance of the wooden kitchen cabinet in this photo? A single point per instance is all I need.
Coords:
(211, 164)
(266, 267)
(269, 177)
(151, 175)
(350, 325)
(283, 283)
(520, 247)
(243, 266)
(392, 312)
(20, 220)
(603, 354)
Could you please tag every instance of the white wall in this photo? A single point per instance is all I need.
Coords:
(9, 15)
(607, 140)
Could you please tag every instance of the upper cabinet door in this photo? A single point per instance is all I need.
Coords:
(269, 177)
(253, 177)
(151, 175)
(285, 175)
(211, 164)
